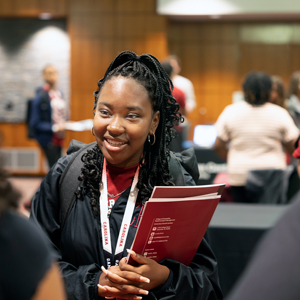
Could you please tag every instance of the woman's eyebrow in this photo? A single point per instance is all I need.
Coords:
(105, 103)
(133, 107)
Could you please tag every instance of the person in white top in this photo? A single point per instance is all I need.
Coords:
(186, 86)
(182, 83)
(254, 134)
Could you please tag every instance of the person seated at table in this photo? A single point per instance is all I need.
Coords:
(134, 115)
(27, 270)
(254, 134)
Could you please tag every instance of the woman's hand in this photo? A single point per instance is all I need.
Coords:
(115, 283)
(148, 268)
(129, 282)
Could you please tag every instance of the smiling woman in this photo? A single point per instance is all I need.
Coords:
(134, 115)
(123, 119)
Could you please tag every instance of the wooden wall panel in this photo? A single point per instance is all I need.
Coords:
(213, 56)
(272, 59)
(99, 30)
(32, 8)
(215, 59)
(210, 55)
(294, 58)
(82, 105)
(15, 135)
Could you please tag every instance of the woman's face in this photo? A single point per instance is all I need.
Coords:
(123, 119)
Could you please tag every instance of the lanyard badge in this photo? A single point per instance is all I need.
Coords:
(110, 258)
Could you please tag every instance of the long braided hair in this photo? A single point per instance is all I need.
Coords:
(154, 168)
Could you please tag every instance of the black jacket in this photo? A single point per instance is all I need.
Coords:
(40, 117)
(24, 254)
(80, 249)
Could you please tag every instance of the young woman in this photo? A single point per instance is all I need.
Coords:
(134, 115)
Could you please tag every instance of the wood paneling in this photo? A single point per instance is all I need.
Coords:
(215, 59)
(213, 55)
(273, 59)
(15, 135)
(99, 30)
(32, 8)
(210, 59)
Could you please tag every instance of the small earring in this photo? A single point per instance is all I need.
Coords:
(149, 139)
(92, 130)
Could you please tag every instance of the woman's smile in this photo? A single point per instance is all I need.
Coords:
(114, 145)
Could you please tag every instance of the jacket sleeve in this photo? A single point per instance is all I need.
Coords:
(81, 282)
(198, 281)
(35, 116)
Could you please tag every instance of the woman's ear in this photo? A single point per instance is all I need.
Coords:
(155, 122)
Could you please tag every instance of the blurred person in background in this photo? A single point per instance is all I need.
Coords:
(176, 143)
(185, 85)
(254, 134)
(182, 83)
(48, 115)
(293, 101)
(278, 96)
(277, 93)
(27, 270)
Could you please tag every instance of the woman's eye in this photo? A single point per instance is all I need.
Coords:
(104, 112)
(132, 116)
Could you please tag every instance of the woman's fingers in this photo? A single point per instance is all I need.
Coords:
(138, 258)
(124, 277)
(124, 284)
(114, 277)
(112, 292)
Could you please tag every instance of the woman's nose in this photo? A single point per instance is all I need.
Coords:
(116, 125)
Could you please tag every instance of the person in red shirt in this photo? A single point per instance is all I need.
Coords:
(178, 94)
(296, 154)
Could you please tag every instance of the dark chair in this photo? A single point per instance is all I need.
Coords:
(272, 186)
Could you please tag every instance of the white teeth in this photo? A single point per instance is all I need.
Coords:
(115, 143)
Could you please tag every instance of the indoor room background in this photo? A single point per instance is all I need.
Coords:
(215, 52)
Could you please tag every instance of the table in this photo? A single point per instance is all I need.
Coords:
(234, 232)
